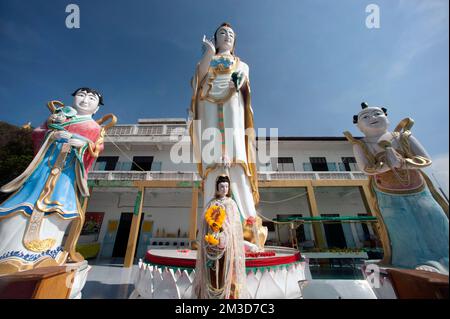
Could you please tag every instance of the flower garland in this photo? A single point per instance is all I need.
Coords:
(260, 254)
(214, 216)
(336, 250)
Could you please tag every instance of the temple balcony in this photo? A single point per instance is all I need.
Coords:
(149, 133)
(193, 176)
(268, 176)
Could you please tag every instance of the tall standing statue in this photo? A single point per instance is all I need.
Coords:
(50, 194)
(223, 116)
(413, 215)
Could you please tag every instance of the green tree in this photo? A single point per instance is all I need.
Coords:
(16, 153)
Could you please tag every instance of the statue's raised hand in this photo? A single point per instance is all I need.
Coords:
(63, 135)
(207, 46)
(77, 143)
(394, 158)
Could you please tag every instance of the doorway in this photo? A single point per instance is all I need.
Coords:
(123, 233)
(334, 233)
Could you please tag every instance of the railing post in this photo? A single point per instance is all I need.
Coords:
(317, 229)
(134, 131)
(193, 219)
(134, 229)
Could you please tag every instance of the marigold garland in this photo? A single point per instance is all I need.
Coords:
(214, 216)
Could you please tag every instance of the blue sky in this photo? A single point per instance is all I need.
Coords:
(311, 62)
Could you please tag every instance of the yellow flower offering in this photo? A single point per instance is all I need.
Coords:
(214, 216)
(211, 240)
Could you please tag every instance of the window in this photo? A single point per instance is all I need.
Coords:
(319, 164)
(349, 163)
(365, 229)
(156, 166)
(334, 233)
(142, 163)
(106, 163)
(285, 164)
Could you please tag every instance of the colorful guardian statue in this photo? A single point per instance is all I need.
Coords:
(51, 193)
(412, 215)
(223, 118)
(220, 267)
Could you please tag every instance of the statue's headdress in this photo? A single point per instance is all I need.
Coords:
(223, 179)
(365, 107)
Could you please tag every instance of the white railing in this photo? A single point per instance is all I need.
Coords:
(270, 176)
(147, 130)
(143, 176)
(193, 176)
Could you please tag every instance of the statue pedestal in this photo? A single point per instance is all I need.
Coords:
(169, 274)
(418, 284)
(56, 282)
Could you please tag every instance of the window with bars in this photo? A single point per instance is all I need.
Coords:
(142, 163)
(319, 164)
(349, 163)
(106, 163)
(285, 164)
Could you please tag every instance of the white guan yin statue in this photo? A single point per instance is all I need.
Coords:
(413, 215)
(223, 123)
(50, 194)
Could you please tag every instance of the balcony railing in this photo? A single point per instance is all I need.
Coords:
(147, 130)
(270, 176)
(193, 176)
(143, 176)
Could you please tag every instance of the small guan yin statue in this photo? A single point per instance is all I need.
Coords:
(220, 266)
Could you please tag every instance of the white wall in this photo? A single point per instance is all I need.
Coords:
(169, 209)
(300, 151)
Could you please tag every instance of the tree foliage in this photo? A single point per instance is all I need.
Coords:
(16, 153)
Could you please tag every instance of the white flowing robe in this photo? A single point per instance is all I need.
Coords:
(231, 253)
(215, 100)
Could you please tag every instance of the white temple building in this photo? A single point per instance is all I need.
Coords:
(311, 177)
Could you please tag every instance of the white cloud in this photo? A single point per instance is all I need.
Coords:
(439, 172)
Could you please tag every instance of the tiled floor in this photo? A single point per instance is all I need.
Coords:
(108, 279)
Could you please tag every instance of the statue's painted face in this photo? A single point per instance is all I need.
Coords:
(85, 103)
(225, 39)
(372, 121)
(222, 189)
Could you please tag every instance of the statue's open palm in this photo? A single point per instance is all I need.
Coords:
(207, 46)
